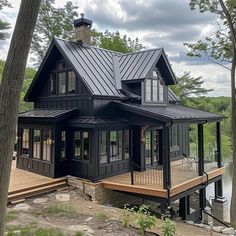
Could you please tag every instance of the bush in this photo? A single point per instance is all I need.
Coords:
(144, 219)
(168, 227)
(127, 212)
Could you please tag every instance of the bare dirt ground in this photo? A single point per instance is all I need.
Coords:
(79, 216)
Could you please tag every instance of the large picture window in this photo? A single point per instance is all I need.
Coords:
(62, 83)
(71, 82)
(25, 142)
(81, 145)
(114, 146)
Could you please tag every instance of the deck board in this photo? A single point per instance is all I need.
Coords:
(182, 180)
(21, 179)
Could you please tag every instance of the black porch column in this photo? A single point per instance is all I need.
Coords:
(166, 158)
(184, 207)
(218, 184)
(202, 192)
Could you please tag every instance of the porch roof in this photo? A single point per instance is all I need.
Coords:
(170, 112)
(50, 114)
(81, 121)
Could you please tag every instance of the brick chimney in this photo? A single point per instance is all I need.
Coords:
(83, 30)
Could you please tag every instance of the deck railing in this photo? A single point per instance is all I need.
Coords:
(151, 175)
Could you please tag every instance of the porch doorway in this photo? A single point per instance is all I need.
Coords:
(152, 147)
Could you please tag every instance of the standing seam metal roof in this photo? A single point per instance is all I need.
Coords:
(96, 66)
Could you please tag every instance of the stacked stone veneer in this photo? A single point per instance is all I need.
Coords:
(97, 193)
(83, 33)
(220, 209)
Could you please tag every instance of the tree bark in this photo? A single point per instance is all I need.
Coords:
(10, 88)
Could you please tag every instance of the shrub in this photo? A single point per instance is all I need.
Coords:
(168, 227)
(144, 219)
(127, 212)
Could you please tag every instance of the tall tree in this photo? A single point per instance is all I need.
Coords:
(221, 49)
(114, 41)
(3, 25)
(10, 89)
(52, 21)
(189, 86)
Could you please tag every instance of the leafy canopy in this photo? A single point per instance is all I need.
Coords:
(3, 25)
(189, 86)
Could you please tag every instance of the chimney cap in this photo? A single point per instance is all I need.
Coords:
(82, 21)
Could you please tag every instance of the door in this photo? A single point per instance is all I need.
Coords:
(152, 150)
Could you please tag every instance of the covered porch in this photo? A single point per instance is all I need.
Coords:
(167, 173)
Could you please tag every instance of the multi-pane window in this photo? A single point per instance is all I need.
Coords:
(126, 144)
(85, 145)
(148, 154)
(63, 144)
(155, 146)
(25, 142)
(62, 83)
(174, 136)
(103, 147)
(37, 143)
(114, 146)
(77, 145)
(71, 82)
(53, 84)
(153, 88)
(81, 145)
(47, 142)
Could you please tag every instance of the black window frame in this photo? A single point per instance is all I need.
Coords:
(54, 80)
(81, 156)
(108, 146)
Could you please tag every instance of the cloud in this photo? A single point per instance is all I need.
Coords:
(162, 23)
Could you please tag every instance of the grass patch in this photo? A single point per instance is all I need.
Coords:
(10, 216)
(26, 231)
(101, 216)
(79, 233)
(60, 210)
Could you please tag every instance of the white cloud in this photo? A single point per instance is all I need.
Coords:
(156, 24)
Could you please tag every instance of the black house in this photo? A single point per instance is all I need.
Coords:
(99, 113)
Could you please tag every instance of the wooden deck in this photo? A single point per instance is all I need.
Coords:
(182, 180)
(24, 183)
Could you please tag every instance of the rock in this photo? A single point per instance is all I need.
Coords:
(217, 228)
(81, 228)
(63, 197)
(21, 207)
(228, 231)
(200, 225)
(40, 200)
(90, 207)
(88, 219)
(18, 201)
(190, 222)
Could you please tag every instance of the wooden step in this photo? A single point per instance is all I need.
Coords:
(35, 191)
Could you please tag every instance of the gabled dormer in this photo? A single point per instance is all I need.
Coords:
(154, 89)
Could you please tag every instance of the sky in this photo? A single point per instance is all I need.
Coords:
(157, 23)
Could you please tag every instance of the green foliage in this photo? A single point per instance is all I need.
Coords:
(218, 46)
(189, 86)
(3, 25)
(52, 21)
(144, 219)
(168, 227)
(29, 75)
(126, 218)
(114, 41)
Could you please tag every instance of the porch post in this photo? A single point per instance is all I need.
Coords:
(218, 184)
(166, 158)
(202, 192)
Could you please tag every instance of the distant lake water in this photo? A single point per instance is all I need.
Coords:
(227, 183)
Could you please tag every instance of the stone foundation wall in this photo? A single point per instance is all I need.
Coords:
(97, 193)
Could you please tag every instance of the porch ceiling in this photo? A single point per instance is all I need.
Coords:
(170, 112)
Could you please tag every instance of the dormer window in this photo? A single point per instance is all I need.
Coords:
(154, 88)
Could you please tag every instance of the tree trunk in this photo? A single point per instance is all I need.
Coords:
(10, 88)
(233, 196)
